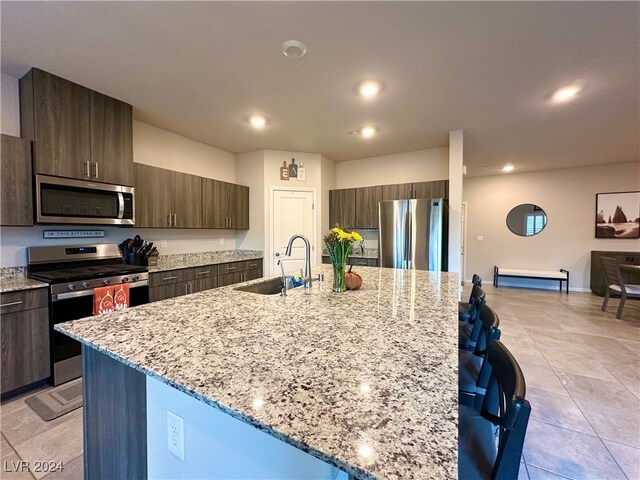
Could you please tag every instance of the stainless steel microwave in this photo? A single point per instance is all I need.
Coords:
(65, 200)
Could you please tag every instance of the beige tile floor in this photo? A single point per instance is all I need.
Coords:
(582, 368)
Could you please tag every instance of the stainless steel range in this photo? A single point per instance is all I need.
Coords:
(73, 273)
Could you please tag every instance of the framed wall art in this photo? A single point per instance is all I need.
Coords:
(618, 215)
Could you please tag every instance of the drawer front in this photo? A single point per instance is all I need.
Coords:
(233, 267)
(25, 348)
(356, 261)
(171, 276)
(253, 264)
(229, 279)
(23, 300)
(205, 272)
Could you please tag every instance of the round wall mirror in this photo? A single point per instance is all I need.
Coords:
(526, 219)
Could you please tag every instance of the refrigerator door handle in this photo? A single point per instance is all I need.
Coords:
(407, 240)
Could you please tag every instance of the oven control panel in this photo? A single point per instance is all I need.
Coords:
(87, 286)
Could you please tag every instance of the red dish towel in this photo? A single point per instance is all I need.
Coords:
(103, 300)
(121, 296)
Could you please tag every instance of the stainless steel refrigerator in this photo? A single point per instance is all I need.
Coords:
(413, 234)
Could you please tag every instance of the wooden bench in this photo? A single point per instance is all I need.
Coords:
(561, 276)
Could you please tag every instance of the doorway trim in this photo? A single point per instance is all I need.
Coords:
(313, 241)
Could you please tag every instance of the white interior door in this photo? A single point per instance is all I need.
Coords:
(293, 213)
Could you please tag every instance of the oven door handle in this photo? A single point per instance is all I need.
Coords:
(56, 297)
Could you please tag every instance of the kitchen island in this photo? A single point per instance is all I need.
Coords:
(364, 381)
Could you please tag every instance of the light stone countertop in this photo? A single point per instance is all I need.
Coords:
(368, 253)
(190, 260)
(14, 279)
(366, 380)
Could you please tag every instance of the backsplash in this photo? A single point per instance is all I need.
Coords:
(15, 240)
(10, 272)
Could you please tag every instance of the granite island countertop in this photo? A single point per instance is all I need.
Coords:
(14, 279)
(201, 259)
(365, 380)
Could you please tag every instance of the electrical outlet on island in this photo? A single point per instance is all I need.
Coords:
(163, 243)
(221, 240)
(175, 434)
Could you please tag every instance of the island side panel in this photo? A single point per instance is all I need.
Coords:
(115, 415)
(216, 445)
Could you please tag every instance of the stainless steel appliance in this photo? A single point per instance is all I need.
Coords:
(412, 234)
(73, 273)
(64, 200)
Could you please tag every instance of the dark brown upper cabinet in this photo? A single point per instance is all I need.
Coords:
(111, 140)
(367, 199)
(399, 191)
(225, 205)
(167, 199)
(342, 207)
(358, 207)
(76, 132)
(16, 203)
(436, 189)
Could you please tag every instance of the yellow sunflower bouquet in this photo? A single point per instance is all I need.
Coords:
(339, 243)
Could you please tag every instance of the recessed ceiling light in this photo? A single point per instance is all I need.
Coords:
(293, 49)
(566, 93)
(508, 168)
(368, 131)
(257, 121)
(369, 89)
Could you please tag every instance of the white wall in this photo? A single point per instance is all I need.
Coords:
(568, 196)
(419, 166)
(250, 172)
(161, 148)
(328, 182)
(10, 105)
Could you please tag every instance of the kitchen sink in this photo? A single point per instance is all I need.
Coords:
(269, 287)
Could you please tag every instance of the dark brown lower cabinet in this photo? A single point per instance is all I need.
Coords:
(183, 281)
(229, 279)
(205, 284)
(163, 292)
(24, 336)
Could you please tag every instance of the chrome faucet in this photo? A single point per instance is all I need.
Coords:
(307, 265)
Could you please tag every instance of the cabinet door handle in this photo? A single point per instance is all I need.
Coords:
(169, 278)
(96, 164)
(12, 303)
(253, 265)
(88, 170)
(204, 273)
(231, 267)
(175, 219)
(169, 220)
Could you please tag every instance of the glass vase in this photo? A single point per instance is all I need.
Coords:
(338, 277)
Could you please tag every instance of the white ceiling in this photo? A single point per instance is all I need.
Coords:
(200, 68)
